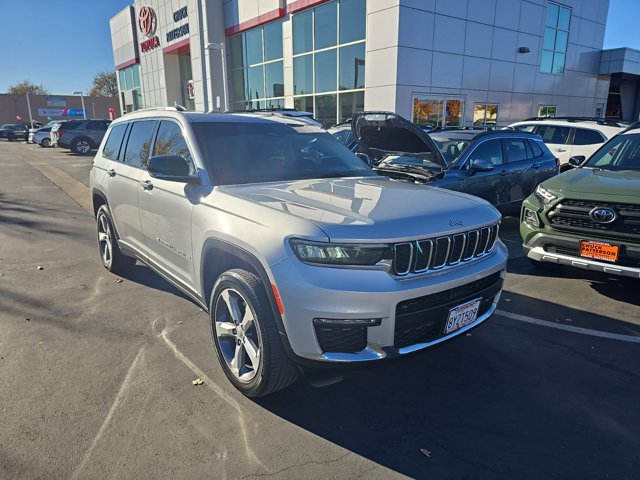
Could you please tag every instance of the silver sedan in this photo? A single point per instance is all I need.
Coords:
(42, 137)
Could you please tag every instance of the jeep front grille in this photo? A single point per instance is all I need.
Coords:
(434, 253)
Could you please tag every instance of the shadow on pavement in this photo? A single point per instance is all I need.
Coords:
(511, 400)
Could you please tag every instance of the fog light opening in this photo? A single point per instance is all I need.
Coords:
(531, 218)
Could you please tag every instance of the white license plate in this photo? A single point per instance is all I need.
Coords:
(462, 315)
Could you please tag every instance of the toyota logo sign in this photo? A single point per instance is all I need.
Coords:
(603, 215)
(147, 20)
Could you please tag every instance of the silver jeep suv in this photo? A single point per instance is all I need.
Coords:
(300, 253)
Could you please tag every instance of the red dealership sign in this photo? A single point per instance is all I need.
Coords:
(147, 20)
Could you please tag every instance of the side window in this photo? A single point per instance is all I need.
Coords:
(170, 141)
(535, 149)
(490, 150)
(584, 136)
(554, 134)
(92, 125)
(525, 128)
(112, 147)
(137, 152)
(515, 149)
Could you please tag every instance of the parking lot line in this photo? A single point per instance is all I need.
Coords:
(569, 328)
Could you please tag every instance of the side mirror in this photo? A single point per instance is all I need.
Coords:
(173, 168)
(481, 165)
(577, 160)
(365, 158)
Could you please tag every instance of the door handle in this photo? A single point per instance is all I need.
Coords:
(504, 172)
(146, 184)
(536, 165)
(561, 150)
(111, 172)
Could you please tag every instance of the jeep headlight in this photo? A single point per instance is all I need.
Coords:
(544, 195)
(340, 254)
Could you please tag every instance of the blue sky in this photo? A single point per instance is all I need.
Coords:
(62, 44)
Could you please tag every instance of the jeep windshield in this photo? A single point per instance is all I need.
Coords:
(620, 153)
(258, 152)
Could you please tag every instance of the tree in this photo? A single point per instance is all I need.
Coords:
(105, 84)
(25, 86)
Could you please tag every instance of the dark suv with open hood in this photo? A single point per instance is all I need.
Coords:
(503, 166)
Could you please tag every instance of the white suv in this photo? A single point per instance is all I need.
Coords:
(568, 137)
(300, 253)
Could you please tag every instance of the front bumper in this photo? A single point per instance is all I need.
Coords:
(564, 250)
(412, 312)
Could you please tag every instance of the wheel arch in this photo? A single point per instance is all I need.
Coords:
(218, 256)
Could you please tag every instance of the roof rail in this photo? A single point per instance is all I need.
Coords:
(598, 120)
(633, 126)
(176, 108)
(507, 132)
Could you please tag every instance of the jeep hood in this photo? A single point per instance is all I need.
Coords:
(587, 181)
(392, 133)
(371, 208)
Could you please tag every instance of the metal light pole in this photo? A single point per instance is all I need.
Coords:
(220, 46)
(29, 108)
(84, 112)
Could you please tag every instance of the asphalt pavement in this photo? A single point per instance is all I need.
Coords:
(96, 371)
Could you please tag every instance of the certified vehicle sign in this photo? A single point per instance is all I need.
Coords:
(462, 315)
(599, 251)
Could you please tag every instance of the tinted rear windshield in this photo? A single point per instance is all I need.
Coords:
(238, 153)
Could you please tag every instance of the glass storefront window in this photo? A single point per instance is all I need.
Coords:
(273, 41)
(323, 65)
(326, 106)
(428, 111)
(485, 114)
(303, 75)
(136, 76)
(236, 45)
(302, 32)
(257, 70)
(255, 82)
(547, 110)
(238, 85)
(326, 66)
(352, 20)
(350, 103)
(556, 38)
(325, 26)
(304, 104)
(455, 109)
(352, 67)
(253, 40)
(274, 76)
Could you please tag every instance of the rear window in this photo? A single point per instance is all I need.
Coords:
(112, 146)
(535, 149)
(584, 136)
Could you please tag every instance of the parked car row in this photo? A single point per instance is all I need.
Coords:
(79, 136)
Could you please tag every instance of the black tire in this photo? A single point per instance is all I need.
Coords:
(112, 258)
(46, 142)
(10, 137)
(275, 370)
(82, 146)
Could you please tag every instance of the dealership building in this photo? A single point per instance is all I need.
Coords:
(454, 62)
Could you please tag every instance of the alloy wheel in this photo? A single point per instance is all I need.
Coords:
(105, 239)
(237, 334)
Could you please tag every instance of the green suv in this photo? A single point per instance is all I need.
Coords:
(589, 217)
